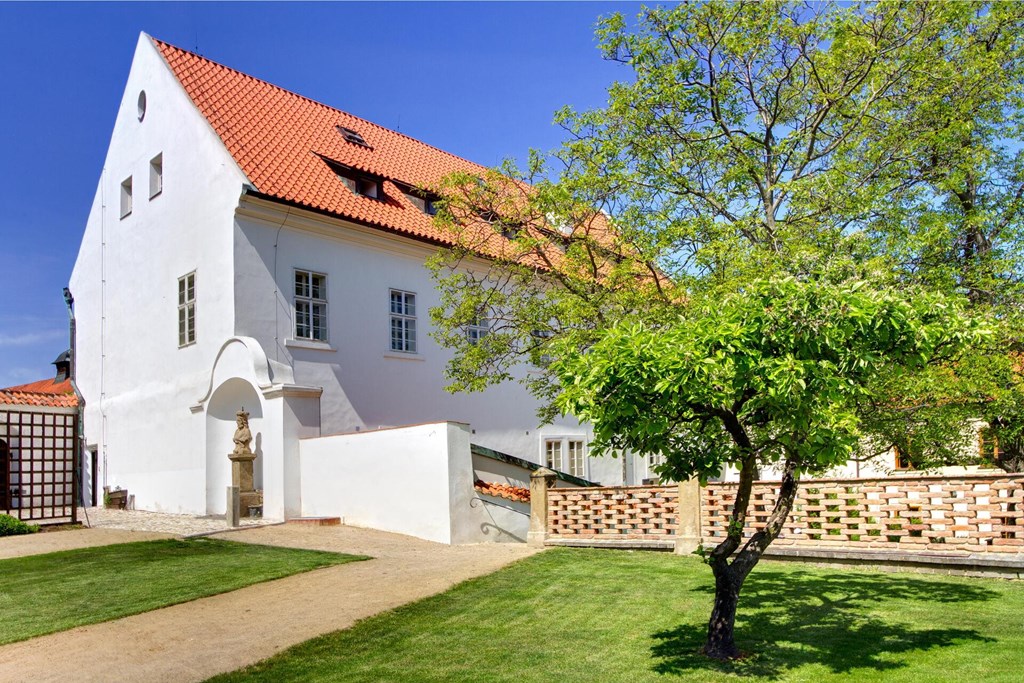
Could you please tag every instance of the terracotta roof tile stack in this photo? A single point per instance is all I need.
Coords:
(514, 493)
(44, 393)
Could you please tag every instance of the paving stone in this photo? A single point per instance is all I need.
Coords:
(163, 522)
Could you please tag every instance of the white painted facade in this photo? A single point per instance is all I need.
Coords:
(161, 416)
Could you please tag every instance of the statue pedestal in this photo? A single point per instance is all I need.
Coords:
(241, 476)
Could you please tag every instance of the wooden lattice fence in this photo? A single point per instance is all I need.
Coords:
(37, 464)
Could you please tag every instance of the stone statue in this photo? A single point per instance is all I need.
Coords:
(243, 437)
(242, 468)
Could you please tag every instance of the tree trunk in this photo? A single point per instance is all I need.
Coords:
(729, 576)
(720, 643)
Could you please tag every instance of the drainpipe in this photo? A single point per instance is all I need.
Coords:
(79, 450)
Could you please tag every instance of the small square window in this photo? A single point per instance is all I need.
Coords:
(902, 461)
(126, 197)
(537, 354)
(156, 175)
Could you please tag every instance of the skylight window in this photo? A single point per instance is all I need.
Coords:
(352, 136)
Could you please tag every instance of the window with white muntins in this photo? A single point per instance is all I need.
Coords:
(187, 309)
(310, 305)
(566, 455)
(477, 329)
(403, 321)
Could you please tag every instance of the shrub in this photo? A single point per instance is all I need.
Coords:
(12, 526)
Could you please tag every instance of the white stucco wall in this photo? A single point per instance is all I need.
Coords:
(394, 480)
(415, 480)
(137, 383)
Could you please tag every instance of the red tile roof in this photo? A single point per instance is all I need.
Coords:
(45, 392)
(280, 140)
(516, 493)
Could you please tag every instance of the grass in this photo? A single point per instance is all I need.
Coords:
(593, 615)
(42, 594)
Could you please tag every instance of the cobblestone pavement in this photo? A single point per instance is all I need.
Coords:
(161, 522)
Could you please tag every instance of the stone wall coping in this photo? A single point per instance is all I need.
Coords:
(888, 480)
(618, 544)
(959, 560)
(581, 489)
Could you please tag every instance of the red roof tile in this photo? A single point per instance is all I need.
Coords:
(45, 392)
(515, 493)
(280, 140)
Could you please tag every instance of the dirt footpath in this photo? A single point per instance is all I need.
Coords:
(196, 640)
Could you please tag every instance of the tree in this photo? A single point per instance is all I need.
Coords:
(754, 152)
(776, 374)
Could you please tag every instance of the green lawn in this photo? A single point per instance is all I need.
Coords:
(45, 593)
(593, 615)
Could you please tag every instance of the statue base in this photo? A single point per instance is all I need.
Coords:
(242, 477)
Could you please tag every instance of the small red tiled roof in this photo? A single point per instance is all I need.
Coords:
(280, 140)
(516, 493)
(45, 392)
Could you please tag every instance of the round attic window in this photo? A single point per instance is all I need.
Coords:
(142, 104)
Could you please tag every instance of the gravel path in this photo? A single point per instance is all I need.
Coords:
(162, 522)
(195, 640)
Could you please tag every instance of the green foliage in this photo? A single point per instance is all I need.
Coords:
(12, 526)
(794, 235)
(780, 371)
(756, 140)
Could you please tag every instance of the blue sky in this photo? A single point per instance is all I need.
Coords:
(481, 80)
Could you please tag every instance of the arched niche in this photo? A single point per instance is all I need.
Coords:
(226, 400)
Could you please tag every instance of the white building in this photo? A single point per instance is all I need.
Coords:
(250, 247)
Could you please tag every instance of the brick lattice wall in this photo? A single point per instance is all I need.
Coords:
(620, 513)
(970, 513)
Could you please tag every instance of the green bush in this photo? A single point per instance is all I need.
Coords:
(12, 526)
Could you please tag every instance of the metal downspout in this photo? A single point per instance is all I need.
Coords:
(79, 452)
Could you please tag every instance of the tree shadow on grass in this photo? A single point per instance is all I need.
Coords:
(844, 622)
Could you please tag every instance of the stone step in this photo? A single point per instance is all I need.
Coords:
(316, 521)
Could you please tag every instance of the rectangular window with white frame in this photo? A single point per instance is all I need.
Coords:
(403, 321)
(187, 309)
(566, 454)
(477, 329)
(310, 305)
(654, 461)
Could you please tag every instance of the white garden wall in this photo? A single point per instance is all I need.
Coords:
(414, 480)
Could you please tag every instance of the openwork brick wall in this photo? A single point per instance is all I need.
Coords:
(623, 513)
(969, 513)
